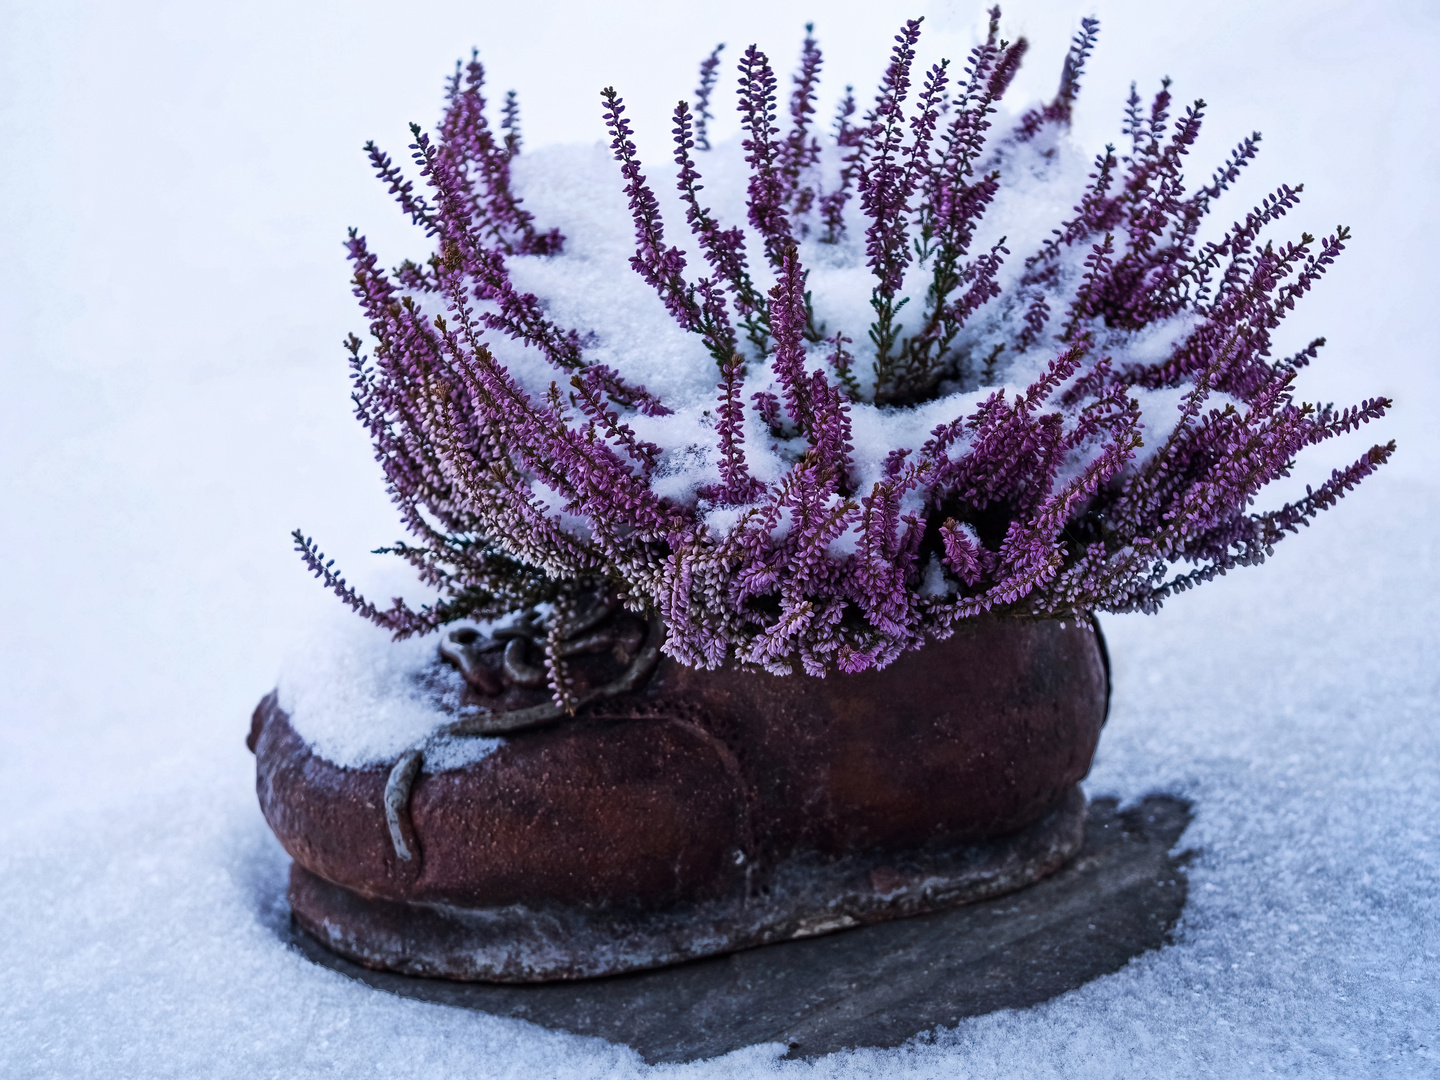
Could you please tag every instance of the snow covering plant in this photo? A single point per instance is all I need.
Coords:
(1085, 428)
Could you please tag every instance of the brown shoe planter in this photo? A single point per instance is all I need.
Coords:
(697, 812)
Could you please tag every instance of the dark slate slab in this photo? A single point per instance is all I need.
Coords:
(877, 985)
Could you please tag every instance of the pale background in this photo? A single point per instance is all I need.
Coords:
(177, 179)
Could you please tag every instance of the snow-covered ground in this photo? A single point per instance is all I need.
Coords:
(177, 180)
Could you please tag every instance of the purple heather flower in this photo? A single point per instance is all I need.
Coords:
(709, 76)
(1112, 477)
(801, 150)
(851, 139)
(763, 153)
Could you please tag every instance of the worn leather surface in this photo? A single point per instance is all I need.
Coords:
(688, 788)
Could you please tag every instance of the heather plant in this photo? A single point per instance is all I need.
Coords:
(1085, 426)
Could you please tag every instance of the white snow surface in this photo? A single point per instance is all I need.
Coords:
(178, 180)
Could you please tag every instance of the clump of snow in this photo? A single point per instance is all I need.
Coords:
(591, 287)
(359, 698)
